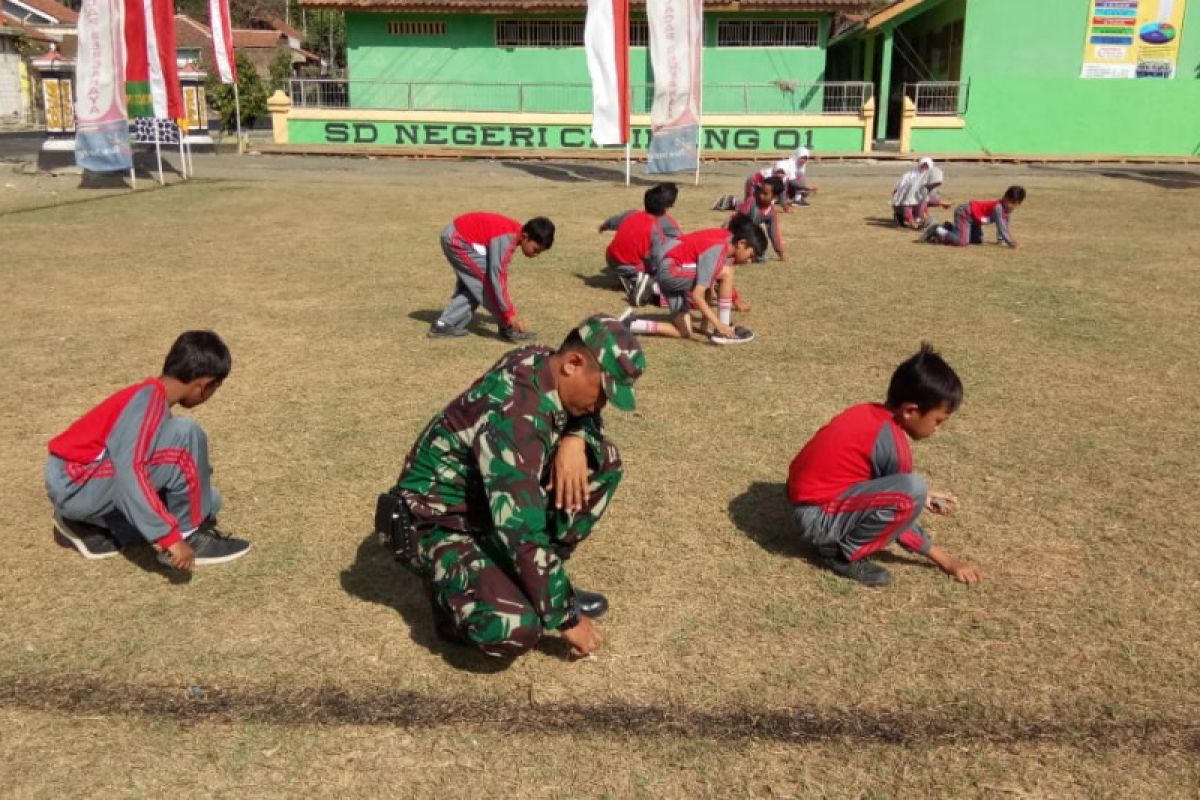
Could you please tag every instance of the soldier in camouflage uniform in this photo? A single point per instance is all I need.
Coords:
(506, 481)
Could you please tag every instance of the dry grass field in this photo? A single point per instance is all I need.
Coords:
(732, 667)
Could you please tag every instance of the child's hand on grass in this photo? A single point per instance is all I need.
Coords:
(941, 503)
(183, 557)
(963, 572)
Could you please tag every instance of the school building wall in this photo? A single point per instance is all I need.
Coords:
(1023, 60)
(416, 86)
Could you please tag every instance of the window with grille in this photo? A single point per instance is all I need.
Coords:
(639, 33)
(416, 28)
(539, 33)
(768, 33)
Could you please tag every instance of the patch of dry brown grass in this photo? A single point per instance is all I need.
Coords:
(1074, 456)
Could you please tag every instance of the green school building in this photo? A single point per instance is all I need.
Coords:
(1011, 77)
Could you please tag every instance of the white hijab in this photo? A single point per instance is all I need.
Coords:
(904, 193)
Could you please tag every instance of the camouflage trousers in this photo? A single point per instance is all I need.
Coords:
(470, 574)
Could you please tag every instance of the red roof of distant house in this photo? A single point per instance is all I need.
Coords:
(284, 28)
(250, 39)
(28, 31)
(53, 9)
(534, 6)
(189, 33)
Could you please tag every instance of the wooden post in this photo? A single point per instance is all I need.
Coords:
(867, 115)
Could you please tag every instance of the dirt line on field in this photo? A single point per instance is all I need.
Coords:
(404, 709)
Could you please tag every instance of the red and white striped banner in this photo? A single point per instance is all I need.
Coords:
(222, 38)
(150, 72)
(101, 124)
(606, 37)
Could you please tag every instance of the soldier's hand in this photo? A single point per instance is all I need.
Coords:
(584, 638)
(569, 474)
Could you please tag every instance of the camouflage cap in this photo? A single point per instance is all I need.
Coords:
(619, 355)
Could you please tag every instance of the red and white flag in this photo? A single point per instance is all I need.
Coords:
(152, 79)
(606, 37)
(222, 39)
(676, 47)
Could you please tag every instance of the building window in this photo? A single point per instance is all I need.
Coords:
(416, 28)
(768, 33)
(639, 33)
(539, 33)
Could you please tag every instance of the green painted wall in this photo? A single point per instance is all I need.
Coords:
(1023, 59)
(467, 54)
(366, 131)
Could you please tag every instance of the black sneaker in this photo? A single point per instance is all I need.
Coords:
(438, 331)
(514, 335)
(591, 604)
(92, 541)
(864, 571)
(643, 289)
(212, 546)
(740, 336)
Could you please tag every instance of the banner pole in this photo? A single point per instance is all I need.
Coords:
(237, 110)
(700, 106)
(158, 152)
(627, 146)
(183, 165)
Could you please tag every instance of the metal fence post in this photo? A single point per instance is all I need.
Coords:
(520, 97)
(745, 98)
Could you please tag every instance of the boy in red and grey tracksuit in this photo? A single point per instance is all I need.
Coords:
(639, 236)
(761, 210)
(128, 470)
(969, 219)
(852, 487)
(692, 267)
(479, 247)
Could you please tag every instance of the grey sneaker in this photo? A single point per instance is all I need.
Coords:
(865, 571)
(92, 541)
(514, 335)
(437, 331)
(740, 336)
(643, 288)
(212, 546)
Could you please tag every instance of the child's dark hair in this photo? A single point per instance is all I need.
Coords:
(742, 227)
(927, 380)
(198, 354)
(659, 198)
(1015, 194)
(776, 184)
(540, 230)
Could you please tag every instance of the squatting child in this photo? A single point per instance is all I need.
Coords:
(639, 235)
(479, 247)
(691, 267)
(969, 219)
(852, 487)
(128, 472)
(760, 210)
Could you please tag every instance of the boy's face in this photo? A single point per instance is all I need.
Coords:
(199, 391)
(921, 426)
(579, 386)
(765, 195)
(1009, 205)
(529, 247)
(742, 252)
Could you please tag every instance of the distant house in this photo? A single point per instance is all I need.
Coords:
(16, 83)
(46, 16)
(193, 45)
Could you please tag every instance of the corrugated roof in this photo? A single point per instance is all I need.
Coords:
(189, 33)
(53, 9)
(283, 27)
(550, 6)
(16, 27)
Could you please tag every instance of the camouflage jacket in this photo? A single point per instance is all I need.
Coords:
(480, 465)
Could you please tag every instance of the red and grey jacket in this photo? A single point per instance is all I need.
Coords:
(698, 256)
(984, 211)
(763, 216)
(494, 237)
(116, 440)
(639, 235)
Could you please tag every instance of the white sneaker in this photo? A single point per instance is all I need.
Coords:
(740, 336)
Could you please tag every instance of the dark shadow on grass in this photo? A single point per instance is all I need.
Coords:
(392, 706)
(575, 173)
(601, 280)
(1162, 178)
(883, 222)
(377, 578)
(136, 551)
(476, 326)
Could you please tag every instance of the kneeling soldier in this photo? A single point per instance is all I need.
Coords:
(505, 482)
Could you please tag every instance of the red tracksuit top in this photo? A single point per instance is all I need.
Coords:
(632, 244)
(981, 210)
(859, 444)
(707, 249)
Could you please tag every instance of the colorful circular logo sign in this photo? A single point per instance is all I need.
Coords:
(1157, 33)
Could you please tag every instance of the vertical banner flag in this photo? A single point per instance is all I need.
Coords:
(1132, 38)
(222, 38)
(101, 124)
(606, 37)
(152, 79)
(676, 47)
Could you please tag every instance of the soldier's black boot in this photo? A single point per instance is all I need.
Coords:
(591, 604)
